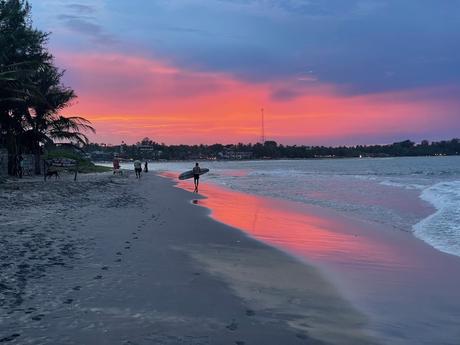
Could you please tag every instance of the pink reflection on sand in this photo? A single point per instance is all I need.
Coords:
(408, 289)
(296, 228)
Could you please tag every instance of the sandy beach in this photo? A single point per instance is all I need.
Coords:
(407, 289)
(229, 172)
(115, 260)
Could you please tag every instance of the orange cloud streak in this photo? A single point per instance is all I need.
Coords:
(128, 98)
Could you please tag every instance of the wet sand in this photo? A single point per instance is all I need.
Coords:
(409, 290)
(115, 260)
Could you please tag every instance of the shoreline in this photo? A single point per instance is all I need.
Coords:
(390, 275)
(112, 260)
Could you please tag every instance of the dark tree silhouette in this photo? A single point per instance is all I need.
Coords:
(31, 92)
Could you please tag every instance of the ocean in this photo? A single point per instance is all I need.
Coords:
(381, 190)
(385, 232)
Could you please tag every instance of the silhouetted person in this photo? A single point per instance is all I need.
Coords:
(116, 165)
(196, 176)
(138, 168)
(146, 166)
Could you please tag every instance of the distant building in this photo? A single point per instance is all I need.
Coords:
(101, 156)
(145, 148)
(235, 155)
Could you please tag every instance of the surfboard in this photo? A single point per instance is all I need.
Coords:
(189, 174)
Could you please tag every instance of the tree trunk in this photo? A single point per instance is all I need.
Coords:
(12, 154)
(37, 156)
(37, 152)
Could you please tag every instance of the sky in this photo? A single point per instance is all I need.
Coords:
(326, 72)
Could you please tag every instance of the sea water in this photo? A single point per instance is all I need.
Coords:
(415, 194)
(369, 216)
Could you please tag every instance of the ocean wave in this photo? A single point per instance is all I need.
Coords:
(442, 229)
(404, 185)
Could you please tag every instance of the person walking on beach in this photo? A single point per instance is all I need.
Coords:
(116, 165)
(146, 166)
(196, 176)
(138, 168)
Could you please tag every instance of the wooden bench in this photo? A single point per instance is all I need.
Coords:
(60, 164)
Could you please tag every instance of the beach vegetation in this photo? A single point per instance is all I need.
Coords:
(84, 164)
(32, 95)
(273, 150)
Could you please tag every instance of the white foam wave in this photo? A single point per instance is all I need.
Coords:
(405, 185)
(442, 229)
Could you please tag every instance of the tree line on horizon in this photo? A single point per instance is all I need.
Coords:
(273, 150)
(32, 94)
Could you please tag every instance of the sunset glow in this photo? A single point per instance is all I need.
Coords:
(130, 98)
(183, 85)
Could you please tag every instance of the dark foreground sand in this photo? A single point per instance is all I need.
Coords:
(112, 260)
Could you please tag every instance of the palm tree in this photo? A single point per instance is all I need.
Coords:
(31, 93)
(43, 123)
(12, 90)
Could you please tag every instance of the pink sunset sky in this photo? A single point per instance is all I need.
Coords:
(205, 81)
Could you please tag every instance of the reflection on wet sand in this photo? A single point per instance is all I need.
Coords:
(403, 284)
(303, 234)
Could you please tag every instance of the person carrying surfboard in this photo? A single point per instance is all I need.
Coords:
(196, 176)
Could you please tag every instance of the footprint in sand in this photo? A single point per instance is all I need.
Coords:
(239, 342)
(118, 260)
(98, 277)
(105, 268)
(68, 301)
(37, 317)
(127, 247)
(119, 253)
(9, 338)
(76, 288)
(233, 326)
(250, 312)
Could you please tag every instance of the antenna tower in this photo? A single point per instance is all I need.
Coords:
(263, 126)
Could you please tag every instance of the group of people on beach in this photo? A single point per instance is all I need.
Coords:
(137, 167)
(138, 171)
